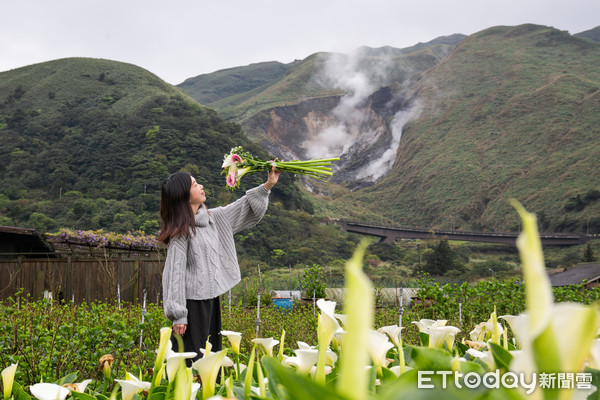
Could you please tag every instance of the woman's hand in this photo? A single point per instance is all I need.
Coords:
(272, 178)
(179, 329)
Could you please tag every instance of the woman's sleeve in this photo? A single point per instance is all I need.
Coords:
(247, 211)
(174, 281)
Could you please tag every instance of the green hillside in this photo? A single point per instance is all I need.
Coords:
(509, 112)
(593, 34)
(512, 112)
(86, 144)
(210, 88)
(304, 79)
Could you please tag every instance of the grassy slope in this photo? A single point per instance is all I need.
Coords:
(210, 88)
(87, 142)
(512, 112)
(304, 80)
(52, 84)
(593, 34)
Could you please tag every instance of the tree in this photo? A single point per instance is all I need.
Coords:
(588, 254)
(41, 222)
(313, 281)
(441, 260)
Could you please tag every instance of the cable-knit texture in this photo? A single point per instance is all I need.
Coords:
(205, 265)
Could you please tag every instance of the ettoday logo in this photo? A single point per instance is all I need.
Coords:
(509, 380)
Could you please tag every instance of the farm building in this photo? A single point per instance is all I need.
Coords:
(590, 273)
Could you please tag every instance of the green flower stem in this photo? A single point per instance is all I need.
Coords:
(249, 372)
(320, 374)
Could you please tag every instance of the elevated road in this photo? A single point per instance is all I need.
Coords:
(389, 233)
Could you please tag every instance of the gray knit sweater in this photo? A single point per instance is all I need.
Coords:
(205, 265)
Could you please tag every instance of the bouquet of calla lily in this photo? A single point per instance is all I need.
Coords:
(239, 163)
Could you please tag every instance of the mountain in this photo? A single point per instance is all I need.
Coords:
(511, 112)
(443, 134)
(210, 88)
(331, 104)
(593, 34)
(86, 144)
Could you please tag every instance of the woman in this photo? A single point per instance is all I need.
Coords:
(201, 261)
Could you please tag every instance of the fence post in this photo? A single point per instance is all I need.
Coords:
(258, 314)
(136, 272)
(143, 314)
(401, 308)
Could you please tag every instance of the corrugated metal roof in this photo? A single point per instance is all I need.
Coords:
(576, 275)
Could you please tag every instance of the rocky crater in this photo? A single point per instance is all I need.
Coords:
(363, 132)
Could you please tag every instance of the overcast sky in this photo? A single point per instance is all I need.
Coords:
(179, 39)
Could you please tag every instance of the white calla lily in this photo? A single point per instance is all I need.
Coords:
(173, 360)
(164, 345)
(426, 324)
(393, 331)
(441, 335)
(553, 337)
(341, 317)
(131, 385)
(594, 361)
(78, 387)
(485, 356)
(438, 332)
(8, 378)
(304, 346)
(378, 346)
(326, 306)
(267, 344)
(195, 388)
(227, 362)
(328, 323)
(235, 339)
(304, 361)
(230, 161)
(49, 391)
(208, 368)
(313, 371)
(484, 330)
(330, 357)
(326, 328)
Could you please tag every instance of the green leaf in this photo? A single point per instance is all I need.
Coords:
(287, 384)
(157, 396)
(274, 381)
(461, 347)
(19, 393)
(595, 381)
(476, 366)
(387, 375)
(405, 387)
(429, 359)
(82, 396)
(502, 357)
(67, 379)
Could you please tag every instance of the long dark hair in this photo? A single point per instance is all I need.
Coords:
(175, 209)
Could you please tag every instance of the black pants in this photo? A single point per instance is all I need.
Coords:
(204, 322)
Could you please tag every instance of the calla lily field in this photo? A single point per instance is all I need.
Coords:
(543, 350)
